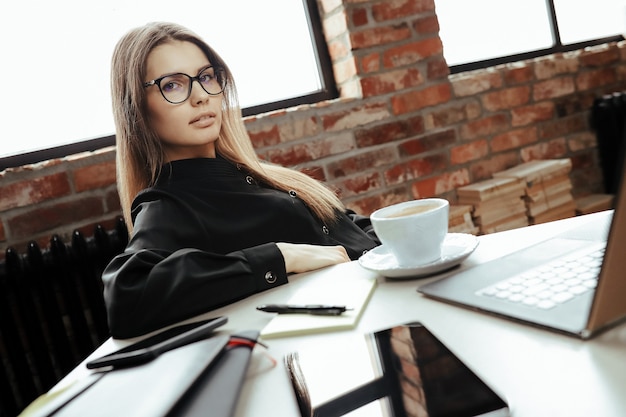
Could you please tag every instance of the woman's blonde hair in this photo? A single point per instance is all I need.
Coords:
(140, 155)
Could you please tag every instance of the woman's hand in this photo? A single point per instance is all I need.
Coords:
(304, 257)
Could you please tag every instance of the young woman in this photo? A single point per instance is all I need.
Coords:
(210, 223)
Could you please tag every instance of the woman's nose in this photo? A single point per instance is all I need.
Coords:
(198, 93)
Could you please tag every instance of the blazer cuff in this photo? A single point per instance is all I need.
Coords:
(268, 266)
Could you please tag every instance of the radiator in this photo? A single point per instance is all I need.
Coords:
(608, 120)
(52, 312)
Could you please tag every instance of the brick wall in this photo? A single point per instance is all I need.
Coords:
(403, 127)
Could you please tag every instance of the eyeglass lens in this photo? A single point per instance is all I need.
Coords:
(176, 88)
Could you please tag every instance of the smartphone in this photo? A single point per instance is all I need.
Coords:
(151, 347)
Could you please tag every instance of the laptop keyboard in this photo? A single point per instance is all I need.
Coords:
(551, 284)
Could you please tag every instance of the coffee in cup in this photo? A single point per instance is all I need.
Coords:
(413, 231)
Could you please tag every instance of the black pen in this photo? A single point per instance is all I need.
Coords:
(315, 309)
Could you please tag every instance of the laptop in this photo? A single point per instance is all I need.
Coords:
(573, 283)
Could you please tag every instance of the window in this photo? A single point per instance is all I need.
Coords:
(56, 63)
(482, 33)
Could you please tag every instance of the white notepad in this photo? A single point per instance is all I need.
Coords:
(333, 285)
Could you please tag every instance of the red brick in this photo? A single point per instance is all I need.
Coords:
(589, 80)
(359, 116)
(563, 126)
(582, 141)
(433, 141)
(360, 184)
(599, 56)
(397, 129)
(415, 168)
(506, 99)
(298, 128)
(369, 204)
(359, 17)
(440, 184)
(94, 176)
(43, 219)
(468, 152)
(532, 114)
(353, 164)
(316, 172)
(411, 53)
(311, 150)
(453, 114)
(391, 81)
(475, 83)
(545, 150)
(427, 25)
(484, 126)
(267, 137)
(437, 69)
(113, 204)
(379, 36)
(370, 62)
(484, 169)
(585, 161)
(551, 67)
(396, 9)
(417, 100)
(514, 75)
(514, 139)
(28, 192)
(552, 88)
(574, 104)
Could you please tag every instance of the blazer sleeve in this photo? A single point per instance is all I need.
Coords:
(162, 277)
(364, 223)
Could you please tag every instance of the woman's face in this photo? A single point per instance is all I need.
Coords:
(188, 129)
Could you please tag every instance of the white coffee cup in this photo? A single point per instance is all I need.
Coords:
(413, 231)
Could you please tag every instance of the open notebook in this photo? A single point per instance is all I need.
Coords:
(336, 285)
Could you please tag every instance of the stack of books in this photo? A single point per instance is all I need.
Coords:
(497, 204)
(461, 220)
(593, 203)
(547, 189)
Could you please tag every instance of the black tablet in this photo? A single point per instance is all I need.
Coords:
(405, 371)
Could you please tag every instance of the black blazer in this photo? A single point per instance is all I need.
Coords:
(204, 237)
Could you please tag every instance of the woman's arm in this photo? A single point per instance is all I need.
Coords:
(171, 269)
(149, 288)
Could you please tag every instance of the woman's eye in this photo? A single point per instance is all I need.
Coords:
(207, 76)
(171, 85)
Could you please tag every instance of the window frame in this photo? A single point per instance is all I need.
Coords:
(328, 91)
(557, 47)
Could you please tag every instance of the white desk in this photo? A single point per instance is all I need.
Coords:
(537, 372)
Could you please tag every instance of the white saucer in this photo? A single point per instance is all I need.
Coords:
(456, 248)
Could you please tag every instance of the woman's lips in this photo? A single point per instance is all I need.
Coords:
(203, 120)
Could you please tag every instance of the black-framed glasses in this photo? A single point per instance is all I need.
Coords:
(176, 88)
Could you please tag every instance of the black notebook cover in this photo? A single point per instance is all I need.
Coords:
(187, 381)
